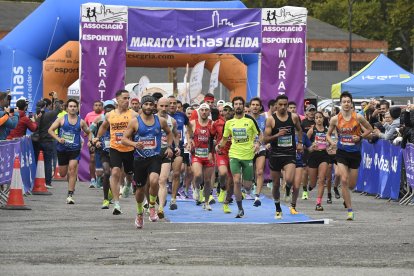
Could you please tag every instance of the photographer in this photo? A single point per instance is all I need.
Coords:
(41, 139)
(8, 118)
(24, 121)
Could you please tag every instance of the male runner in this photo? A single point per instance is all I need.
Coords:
(348, 154)
(144, 135)
(243, 131)
(121, 156)
(280, 133)
(69, 144)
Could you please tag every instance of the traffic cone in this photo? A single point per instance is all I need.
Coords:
(40, 182)
(57, 176)
(15, 199)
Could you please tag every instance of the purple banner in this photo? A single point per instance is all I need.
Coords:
(195, 31)
(283, 54)
(409, 163)
(103, 59)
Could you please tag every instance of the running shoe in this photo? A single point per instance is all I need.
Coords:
(278, 215)
(139, 221)
(350, 216)
(211, 200)
(69, 200)
(240, 213)
(126, 191)
(117, 209)
(207, 207)
(293, 210)
(329, 200)
(243, 195)
(202, 199)
(160, 214)
(318, 207)
(93, 184)
(222, 196)
(231, 200)
(105, 204)
(173, 204)
(305, 195)
(99, 182)
(337, 195)
(257, 202)
(152, 214)
(226, 209)
(196, 194)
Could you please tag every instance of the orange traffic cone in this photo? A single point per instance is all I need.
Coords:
(15, 199)
(57, 176)
(40, 182)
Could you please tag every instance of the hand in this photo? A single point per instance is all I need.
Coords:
(98, 144)
(256, 147)
(7, 109)
(177, 151)
(210, 157)
(268, 146)
(54, 95)
(282, 132)
(218, 149)
(95, 140)
(299, 148)
(139, 145)
(356, 138)
(169, 153)
(61, 141)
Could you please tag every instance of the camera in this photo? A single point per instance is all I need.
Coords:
(51, 94)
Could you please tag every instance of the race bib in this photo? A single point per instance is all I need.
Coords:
(69, 137)
(347, 140)
(240, 135)
(201, 152)
(284, 141)
(118, 137)
(107, 142)
(149, 143)
(320, 139)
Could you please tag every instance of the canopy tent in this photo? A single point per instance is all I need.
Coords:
(74, 90)
(381, 77)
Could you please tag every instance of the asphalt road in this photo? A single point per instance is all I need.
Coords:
(56, 238)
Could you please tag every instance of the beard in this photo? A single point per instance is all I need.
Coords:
(239, 111)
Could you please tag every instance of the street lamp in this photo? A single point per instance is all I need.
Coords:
(350, 3)
(394, 50)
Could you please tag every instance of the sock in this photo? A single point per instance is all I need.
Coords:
(257, 196)
(239, 204)
(305, 188)
(318, 201)
(310, 188)
(92, 179)
(349, 210)
(288, 187)
(116, 202)
(293, 205)
(70, 193)
(277, 204)
(152, 201)
(329, 195)
(140, 208)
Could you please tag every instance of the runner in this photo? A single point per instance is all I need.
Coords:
(135, 105)
(318, 157)
(201, 146)
(162, 107)
(222, 158)
(182, 120)
(89, 118)
(307, 123)
(259, 160)
(69, 144)
(188, 178)
(103, 150)
(121, 156)
(243, 131)
(280, 133)
(348, 154)
(144, 134)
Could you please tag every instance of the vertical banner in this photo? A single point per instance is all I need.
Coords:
(196, 81)
(409, 163)
(214, 77)
(103, 30)
(283, 54)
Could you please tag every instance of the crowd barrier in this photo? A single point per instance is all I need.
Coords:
(23, 148)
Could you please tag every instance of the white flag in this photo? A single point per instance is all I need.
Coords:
(214, 77)
(196, 80)
(142, 85)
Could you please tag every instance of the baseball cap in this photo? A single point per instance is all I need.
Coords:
(134, 100)
(220, 102)
(203, 105)
(108, 103)
(228, 104)
(309, 107)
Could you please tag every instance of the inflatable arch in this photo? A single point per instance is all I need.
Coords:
(56, 23)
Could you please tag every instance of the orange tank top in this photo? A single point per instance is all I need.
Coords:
(118, 124)
(346, 129)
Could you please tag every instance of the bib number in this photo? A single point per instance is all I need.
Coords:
(201, 152)
(240, 135)
(118, 137)
(149, 143)
(347, 140)
(69, 137)
(284, 141)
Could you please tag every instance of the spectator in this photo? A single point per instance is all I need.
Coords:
(24, 122)
(408, 129)
(44, 141)
(8, 118)
(135, 105)
(390, 128)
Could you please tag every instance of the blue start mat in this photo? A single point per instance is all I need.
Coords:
(189, 212)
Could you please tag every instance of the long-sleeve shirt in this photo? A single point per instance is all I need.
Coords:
(8, 124)
(390, 130)
(22, 126)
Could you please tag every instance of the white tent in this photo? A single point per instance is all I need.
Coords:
(74, 90)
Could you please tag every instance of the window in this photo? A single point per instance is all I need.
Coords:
(358, 65)
(324, 65)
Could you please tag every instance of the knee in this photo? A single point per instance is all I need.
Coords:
(177, 174)
(259, 172)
